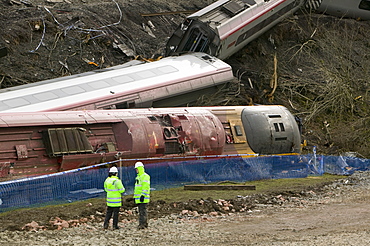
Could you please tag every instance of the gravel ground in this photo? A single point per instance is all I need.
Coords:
(336, 216)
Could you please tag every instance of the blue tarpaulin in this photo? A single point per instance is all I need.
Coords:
(87, 182)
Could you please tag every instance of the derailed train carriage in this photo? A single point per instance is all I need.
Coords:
(170, 82)
(224, 27)
(47, 142)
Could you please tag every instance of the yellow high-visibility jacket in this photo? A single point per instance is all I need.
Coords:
(114, 188)
(142, 186)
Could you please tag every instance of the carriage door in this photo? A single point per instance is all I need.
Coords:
(197, 42)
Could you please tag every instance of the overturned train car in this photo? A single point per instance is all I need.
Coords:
(48, 142)
(226, 26)
(170, 82)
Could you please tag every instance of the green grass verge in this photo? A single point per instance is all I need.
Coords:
(271, 186)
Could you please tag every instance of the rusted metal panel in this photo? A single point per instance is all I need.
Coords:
(4, 169)
(69, 162)
(33, 166)
(207, 136)
(21, 151)
(124, 141)
(137, 131)
(9, 139)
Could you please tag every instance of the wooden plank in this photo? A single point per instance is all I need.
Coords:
(219, 187)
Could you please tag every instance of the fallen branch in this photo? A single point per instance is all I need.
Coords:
(274, 80)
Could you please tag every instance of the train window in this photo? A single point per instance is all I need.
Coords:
(45, 96)
(282, 128)
(182, 117)
(125, 105)
(191, 40)
(98, 84)
(365, 4)
(249, 2)
(72, 90)
(108, 107)
(279, 127)
(123, 79)
(146, 74)
(274, 116)
(3, 106)
(59, 93)
(168, 69)
(281, 139)
(197, 41)
(152, 118)
(167, 133)
(17, 102)
(202, 44)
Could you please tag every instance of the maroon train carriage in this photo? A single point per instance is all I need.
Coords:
(47, 142)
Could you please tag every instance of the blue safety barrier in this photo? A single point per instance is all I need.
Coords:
(87, 182)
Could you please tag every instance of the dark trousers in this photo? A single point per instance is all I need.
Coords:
(111, 211)
(143, 215)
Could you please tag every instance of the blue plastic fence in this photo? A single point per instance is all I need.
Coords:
(87, 182)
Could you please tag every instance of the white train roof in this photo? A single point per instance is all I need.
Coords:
(51, 94)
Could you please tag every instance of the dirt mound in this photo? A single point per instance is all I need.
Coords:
(53, 38)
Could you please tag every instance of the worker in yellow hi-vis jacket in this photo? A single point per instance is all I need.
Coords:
(114, 188)
(142, 194)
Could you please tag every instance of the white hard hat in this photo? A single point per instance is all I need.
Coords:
(139, 164)
(113, 170)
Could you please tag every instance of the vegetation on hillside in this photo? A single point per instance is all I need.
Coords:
(320, 67)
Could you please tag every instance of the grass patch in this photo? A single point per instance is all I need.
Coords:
(271, 186)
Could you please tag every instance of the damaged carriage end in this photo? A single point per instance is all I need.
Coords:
(226, 26)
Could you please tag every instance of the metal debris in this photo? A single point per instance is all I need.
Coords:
(124, 48)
